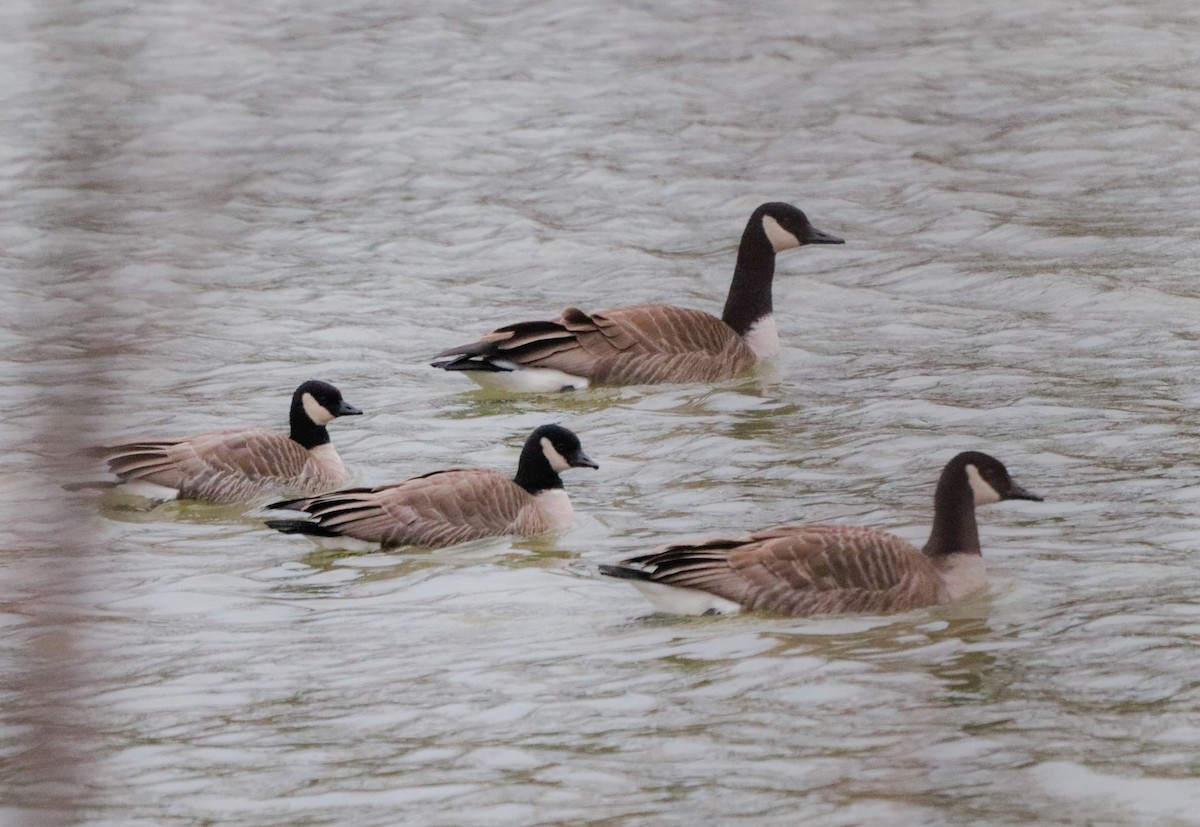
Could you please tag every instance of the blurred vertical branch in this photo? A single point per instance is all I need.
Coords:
(76, 199)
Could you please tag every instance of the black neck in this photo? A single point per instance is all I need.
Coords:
(749, 296)
(303, 430)
(534, 473)
(954, 526)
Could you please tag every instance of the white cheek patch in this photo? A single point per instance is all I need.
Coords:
(780, 238)
(315, 410)
(557, 461)
(984, 493)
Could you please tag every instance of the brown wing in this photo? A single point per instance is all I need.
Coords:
(640, 344)
(224, 466)
(803, 570)
(435, 510)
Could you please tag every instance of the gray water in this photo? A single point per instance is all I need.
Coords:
(206, 203)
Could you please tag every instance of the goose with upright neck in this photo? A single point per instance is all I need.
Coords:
(241, 464)
(448, 507)
(804, 570)
(648, 343)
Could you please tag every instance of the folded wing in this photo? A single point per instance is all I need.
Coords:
(640, 344)
(800, 570)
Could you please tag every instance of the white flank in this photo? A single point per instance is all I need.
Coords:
(315, 410)
(780, 238)
(763, 338)
(556, 505)
(984, 493)
(149, 490)
(963, 574)
(679, 601)
(528, 380)
(344, 543)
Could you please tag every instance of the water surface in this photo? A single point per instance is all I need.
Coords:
(206, 204)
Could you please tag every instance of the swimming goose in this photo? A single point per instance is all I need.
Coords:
(648, 343)
(242, 464)
(447, 507)
(832, 569)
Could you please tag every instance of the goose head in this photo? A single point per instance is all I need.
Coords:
(786, 227)
(321, 402)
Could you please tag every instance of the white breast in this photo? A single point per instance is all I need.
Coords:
(963, 574)
(326, 456)
(763, 338)
(555, 507)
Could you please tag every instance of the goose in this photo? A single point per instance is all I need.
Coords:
(803, 570)
(452, 506)
(240, 464)
(647, 343)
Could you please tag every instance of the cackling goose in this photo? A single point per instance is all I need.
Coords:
(832, 569)
(648, 343)
(447, 507)
(242, 464)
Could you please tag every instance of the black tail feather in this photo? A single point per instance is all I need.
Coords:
(98, 485)
(472, 363)
(301, 527)
(623, 572)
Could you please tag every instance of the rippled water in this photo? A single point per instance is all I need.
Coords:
(206, 203)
